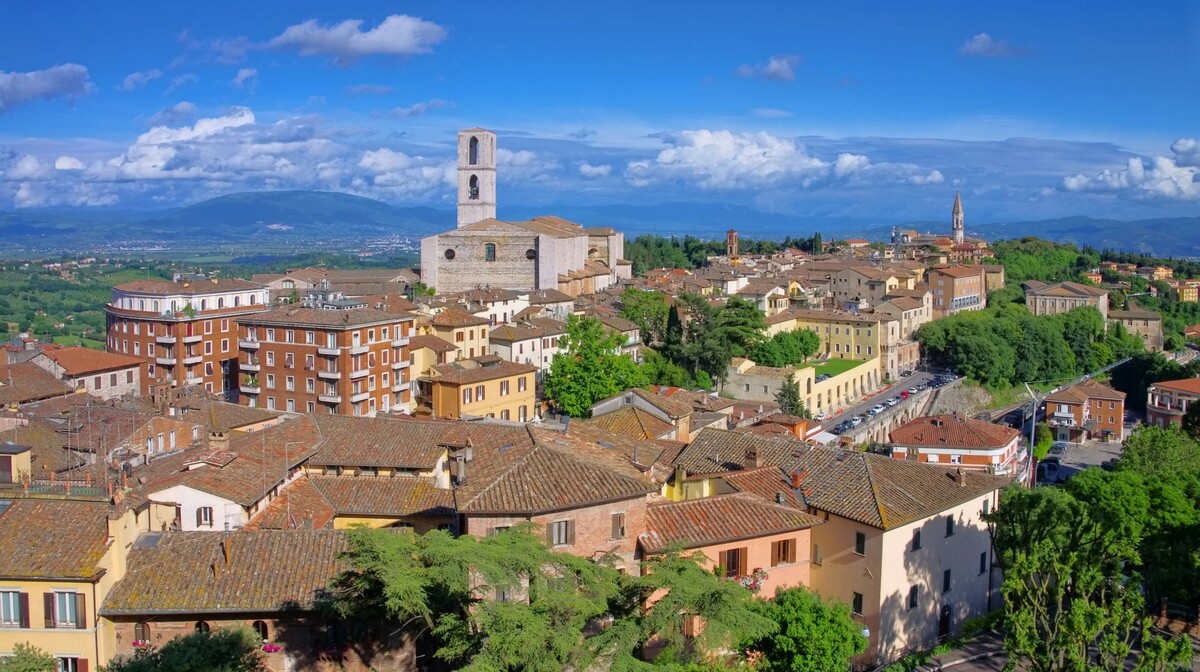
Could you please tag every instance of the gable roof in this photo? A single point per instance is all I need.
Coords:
(717, 451)
(884, 492)
(953, 431)
(1066, 289)
(432, 342)
(376, 496)
(52, 539)
(299, 505)
(1083, 391)
(633, 422)
(718, 519)
(456, 317)
(269, 570)
(462, 372)
(80, 361)
(381, 441)
(25, 382)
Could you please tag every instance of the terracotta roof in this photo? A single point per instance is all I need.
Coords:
(1133, 312)
(953, 431)
(300, 505)
(432, 342)
(545, 296)
(675, 408)
(767, 482)
(1082, 392)
(545, 471)
(202, 410)
(905, 302)
(187, 288)
(716, 520)
(550, 226)
(269, 570)
(884, 492)
(958, 271)
(78, 361)
(510, 333)
(633, 422)
(383, 496)
(347, 319)
(45, 539)
(25, 382)
(715, 451)
(47, 449)
(469, 371)
(382, 441)
(1191, 385)
(1069, 289)
(455, 317)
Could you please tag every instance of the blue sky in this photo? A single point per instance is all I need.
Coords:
(867, 110)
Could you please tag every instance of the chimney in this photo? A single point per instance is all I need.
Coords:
(779, 498)
(752, 458)
(680, 476)
(961, 477)
(460, 471)
(218, 440)
(796, 479)
(227, 547)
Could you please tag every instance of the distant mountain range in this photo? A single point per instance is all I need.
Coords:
(268, 217)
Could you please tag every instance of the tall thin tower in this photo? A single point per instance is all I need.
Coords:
(957, 220)
(476, 176)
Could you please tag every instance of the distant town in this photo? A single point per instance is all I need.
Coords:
(540, 437)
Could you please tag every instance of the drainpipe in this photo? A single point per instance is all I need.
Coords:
(96, 626)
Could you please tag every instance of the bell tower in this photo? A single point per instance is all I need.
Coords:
(476, 175)
(956, 220)
(731, 245)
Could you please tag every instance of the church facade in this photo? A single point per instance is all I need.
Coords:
(541, 253)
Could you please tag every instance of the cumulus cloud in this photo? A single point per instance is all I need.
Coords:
(987, 46)
(66, 162)
(346, 42)
(399, 175)
(136, 80)
(779, 68)
(418, 109)
(525, 165)
(246, 77)
(180, 81)
(369, 90)
(27, 168)
(592, 172)
(178, 113)
(1174, 177)
(722, 160)
(69, 80)
(770, 113)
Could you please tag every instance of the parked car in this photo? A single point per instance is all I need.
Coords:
(855, 421)
(820, 416)
(1058, 448)
(893, 401)
(877, 408)
(1052, 459)
(912, 390)
(906, 373)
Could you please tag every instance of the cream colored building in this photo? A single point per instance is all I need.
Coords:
(484, 386)
(750, 382)
(1060, 297)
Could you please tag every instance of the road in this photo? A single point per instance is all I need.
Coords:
(861, 408)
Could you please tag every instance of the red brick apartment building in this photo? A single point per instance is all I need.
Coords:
(1087, 410)
(960, 441)
(185, 331)
(328, 356)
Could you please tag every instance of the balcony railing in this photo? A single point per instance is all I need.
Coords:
(400, 387)
(328, 351)
(165, 361)
(165, 339)
(360, 396)
(248, 344)
(359, 373)
(193, 380)
(400, 364)
(360, 349)
(250, 389)
(193, 359)
(193, 338)
(330, 398)
(401, 341)
(249, 365)
(330, 375)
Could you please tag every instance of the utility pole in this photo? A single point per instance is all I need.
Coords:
(1032, 427)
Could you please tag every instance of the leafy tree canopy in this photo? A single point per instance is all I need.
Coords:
(589, 367)
(811, 636)
(222, 650)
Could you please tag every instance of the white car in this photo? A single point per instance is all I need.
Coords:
(820, 416)
(877, 408)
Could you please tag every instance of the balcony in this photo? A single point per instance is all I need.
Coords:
(193, 338)
(251, 365)
(330, 375)
(360, 373)
(400, 387)
(400, 341)
(360, 349)
(193, 359)
(248, 344)
(165, 361)
(400, 364)
(165, 339)
(361, 396)
(330, 398)
(329, 351)
(250, 389)
(193, 380)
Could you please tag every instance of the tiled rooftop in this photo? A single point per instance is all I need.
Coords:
(46, 539)
(953, 431)
(718, 519)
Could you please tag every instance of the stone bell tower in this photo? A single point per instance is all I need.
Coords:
(956, 220)
(476, 175)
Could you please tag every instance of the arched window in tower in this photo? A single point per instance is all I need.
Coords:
(489, 251)
(473, 188)
(473, 151)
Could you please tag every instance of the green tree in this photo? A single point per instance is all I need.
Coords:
(742, 324)
(811, 636)
(27, 658)
(788, 398)
(817, 246)
(589, 367)
(1043, 440)
(648, 310)
(1191, 421)
(660, 371)
(222, 650)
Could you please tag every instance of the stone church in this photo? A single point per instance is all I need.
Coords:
(541, 253)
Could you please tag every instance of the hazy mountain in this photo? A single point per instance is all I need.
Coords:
(253, 217)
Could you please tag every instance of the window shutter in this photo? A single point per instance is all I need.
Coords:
(723, 561)
(81, 611)
(48, 603)
(571, 532)
(791, 551)
(550, 534)
(742, 561)
(81, 665)
(23, 605)
(199, 520)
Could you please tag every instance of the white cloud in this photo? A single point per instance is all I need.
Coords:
(418, 109)
(934, 177)
(245, 77)
(985, 45)
(136, 80)
(723, 160)
(592, 172)
(345, 42)
(28, 168)
(850, 163)
(178, 113)
(369, 89)
(779, 68)
(66, 162)
(1166, 177)
(69, 80)
(393, 174)
(770, 113)
(525, 165)
(180, 81)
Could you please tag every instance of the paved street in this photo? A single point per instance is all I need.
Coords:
(861, 408)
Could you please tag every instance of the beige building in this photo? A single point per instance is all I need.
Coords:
(750, 382)
(106, 375)
(1051, 299)
(1146, 324)
(866, 283)
(468, 333)
(852, 335)
(484, 386)
(957, 288)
